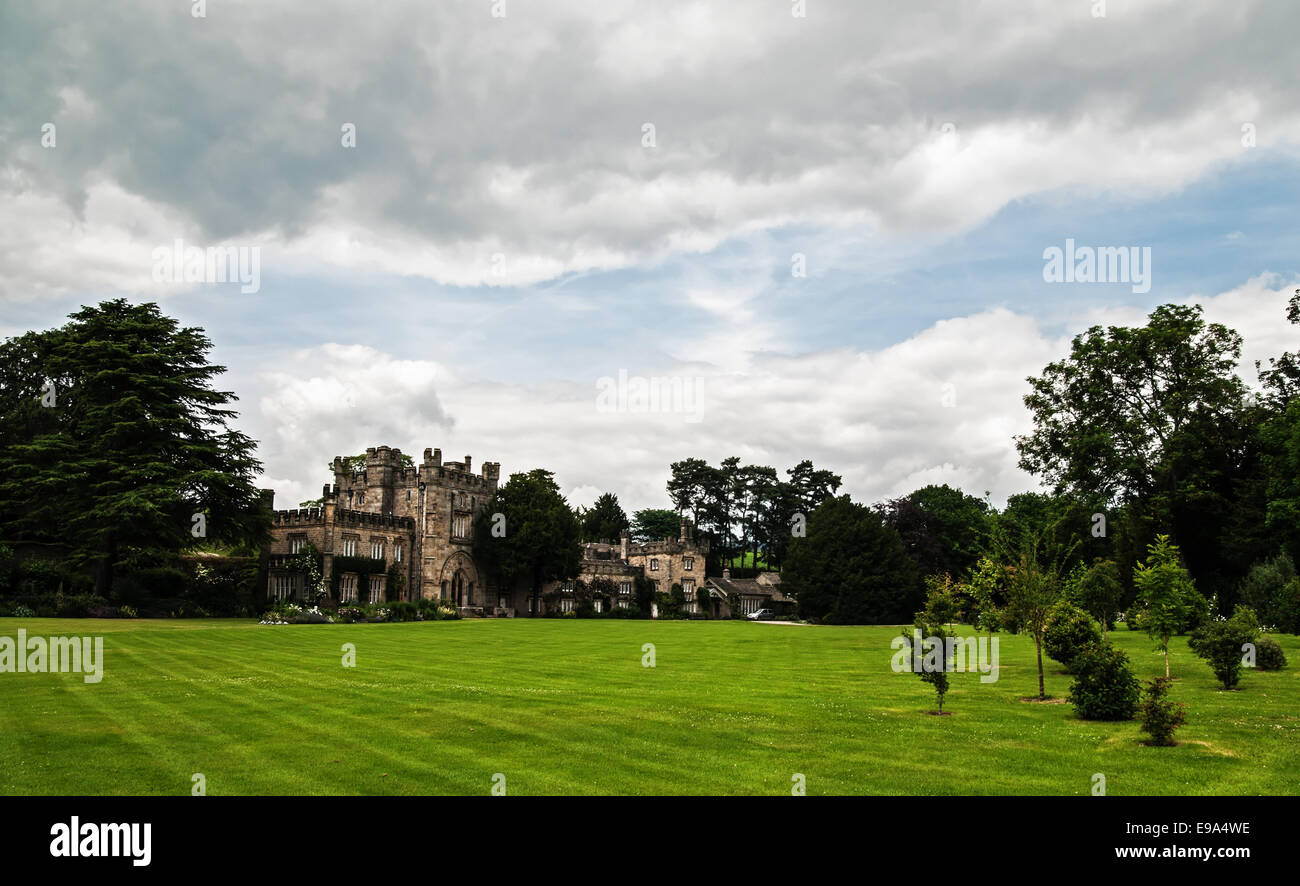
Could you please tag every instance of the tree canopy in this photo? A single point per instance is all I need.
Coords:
(539, 538)
(655, 524)
(944, 529)
(115, 443)
(605, 520)
(851, 568)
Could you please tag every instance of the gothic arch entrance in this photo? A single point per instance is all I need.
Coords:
(459, 582)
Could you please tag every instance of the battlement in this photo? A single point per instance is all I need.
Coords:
(615, 568)
(365, 520)
(458, 473)
(299, 517)
(669, 546)
(342, 517)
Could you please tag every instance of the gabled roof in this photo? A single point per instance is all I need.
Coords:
(768, 584)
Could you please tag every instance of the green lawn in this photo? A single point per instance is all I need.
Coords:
(564, 707)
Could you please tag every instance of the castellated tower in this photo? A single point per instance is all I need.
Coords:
(451, 496)
(418, 516)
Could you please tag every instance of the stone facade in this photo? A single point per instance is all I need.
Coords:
(421, 518)
(668, 562)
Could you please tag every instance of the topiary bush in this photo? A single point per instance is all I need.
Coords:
(1105, 687)
(1269, 655)
(1160, 716)
(1069, 632)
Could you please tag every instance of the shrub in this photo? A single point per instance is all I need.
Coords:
(1268, 654)
(222, 586)
(162, 586)
(1160, 716)
(78, 606)
(402, 611)
(1069, 632)
(1220, 643)
(21, 611)
(432, 609)
(352, 614)
(1104, 687)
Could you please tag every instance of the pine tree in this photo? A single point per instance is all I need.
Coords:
(115, 445)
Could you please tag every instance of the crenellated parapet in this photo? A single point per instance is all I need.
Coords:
(668, 547)
(299, 517)
(608, 568)
(367, 520)
(384, 469)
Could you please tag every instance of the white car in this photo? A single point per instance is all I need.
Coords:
(761, 615)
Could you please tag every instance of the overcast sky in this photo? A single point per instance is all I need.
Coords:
(571, 191)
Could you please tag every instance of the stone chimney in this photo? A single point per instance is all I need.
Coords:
(622, 546)
(467, 465)
(726, 574)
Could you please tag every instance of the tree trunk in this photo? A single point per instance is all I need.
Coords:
(1038, 642)
(1166, 659)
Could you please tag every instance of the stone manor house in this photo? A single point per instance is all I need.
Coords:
(418, 522)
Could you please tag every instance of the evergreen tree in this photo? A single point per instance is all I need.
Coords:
(539, 539)
(605, 520)
(851, 568)
(114, 442)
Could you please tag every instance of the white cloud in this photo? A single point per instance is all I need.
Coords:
(521, 137)
(879, 418)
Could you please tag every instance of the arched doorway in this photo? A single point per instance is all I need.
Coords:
(460, 580)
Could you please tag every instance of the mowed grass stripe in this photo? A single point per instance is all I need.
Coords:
(566, 707)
